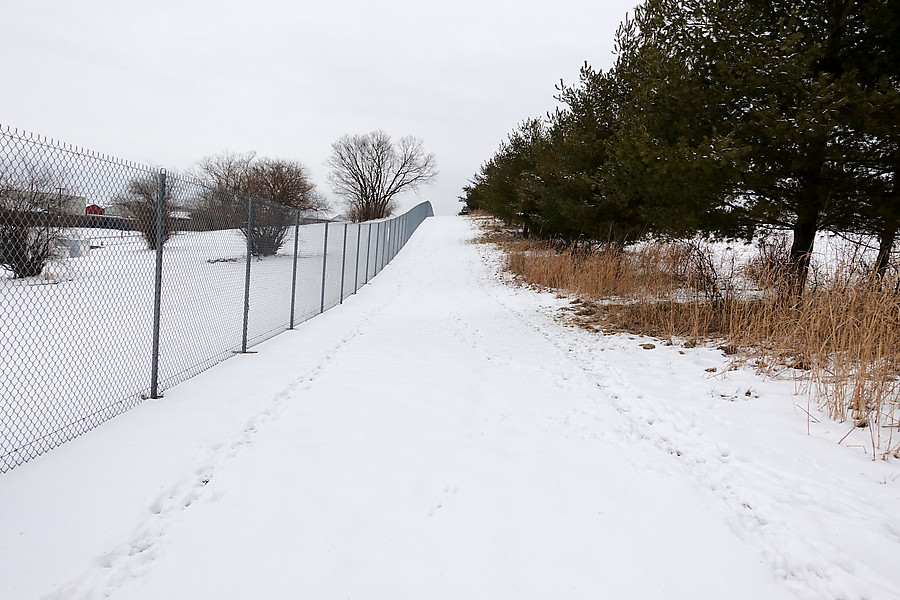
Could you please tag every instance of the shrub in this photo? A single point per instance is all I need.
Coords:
(140, 203)
(28, 235)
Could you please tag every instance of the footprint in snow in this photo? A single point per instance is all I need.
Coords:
(449, 491)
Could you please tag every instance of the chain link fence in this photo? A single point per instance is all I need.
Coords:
(118, 281)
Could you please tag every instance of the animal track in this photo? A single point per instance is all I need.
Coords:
(133, 558)
(449, 492)
(649, 419)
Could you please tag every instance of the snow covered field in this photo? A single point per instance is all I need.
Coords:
(443, 435)
(75, 348)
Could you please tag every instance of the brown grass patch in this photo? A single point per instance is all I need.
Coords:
(841, 341)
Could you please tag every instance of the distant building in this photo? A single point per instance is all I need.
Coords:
(115, 210)
(181, 219)
(93, 209)
(68, 204)
(41, 201)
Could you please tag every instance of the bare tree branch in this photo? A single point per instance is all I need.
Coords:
(277, 186)
(368, 171)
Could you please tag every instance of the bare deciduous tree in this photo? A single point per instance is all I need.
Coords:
(368, 171)
(281, 184)
(285, 182)
(140, 202)
(228, 171)
(30, 221)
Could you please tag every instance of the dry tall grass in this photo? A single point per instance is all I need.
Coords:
(841, 341)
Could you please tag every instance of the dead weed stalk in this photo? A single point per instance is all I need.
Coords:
(841, 341)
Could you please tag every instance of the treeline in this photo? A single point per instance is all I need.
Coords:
(718, 118)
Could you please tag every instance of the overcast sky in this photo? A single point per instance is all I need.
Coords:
(169, 82)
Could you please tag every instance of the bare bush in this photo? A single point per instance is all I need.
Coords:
(30, 222)
(140, 202)
(368, 171)
(704, 273)
(279, 187)
(269, 227)
(770, 267)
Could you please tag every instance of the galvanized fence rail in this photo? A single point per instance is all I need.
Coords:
(101, 311)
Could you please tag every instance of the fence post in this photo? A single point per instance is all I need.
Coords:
(157, 288)
(386, 254)
(356, 272)
(343, 262)
(386, 250)
(390, 241)
(247, 275)
(377, 245)
(294, 271)
(397, 222)
(368, 251)
(324, 262)
(383, 245)
(389, 255)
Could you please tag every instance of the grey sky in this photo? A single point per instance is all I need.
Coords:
(172, 81)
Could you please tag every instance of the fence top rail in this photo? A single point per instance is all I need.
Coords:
(424, 205)
(20, 135)
(51, 143)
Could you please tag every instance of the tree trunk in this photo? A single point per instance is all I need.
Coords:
(809, 207)
(885, 245)
(805, 229)
(888, 234)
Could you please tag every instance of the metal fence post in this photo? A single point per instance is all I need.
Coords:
(324, 262)
(386, 250)
(294, 271)
(397, 221)
(377, 245)
(157, 290)
(356, 272)
(389, 255)
(368, 251)
(379, 249)
(384, 246)
(247, 275)
(343, 262)
(390, 240)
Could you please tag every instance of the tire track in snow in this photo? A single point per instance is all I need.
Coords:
(811, 568)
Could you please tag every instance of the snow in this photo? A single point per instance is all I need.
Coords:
(443, 434)
(85, 335)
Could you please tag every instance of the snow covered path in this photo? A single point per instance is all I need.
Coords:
(440, 435)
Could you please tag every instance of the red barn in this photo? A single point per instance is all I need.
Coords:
(93, 209)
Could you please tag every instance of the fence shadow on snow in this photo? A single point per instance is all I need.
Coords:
(97, 315)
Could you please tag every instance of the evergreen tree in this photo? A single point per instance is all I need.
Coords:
(502, 184)
(578, 147)
(719, 118)
(739, 115)
(670, 159)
